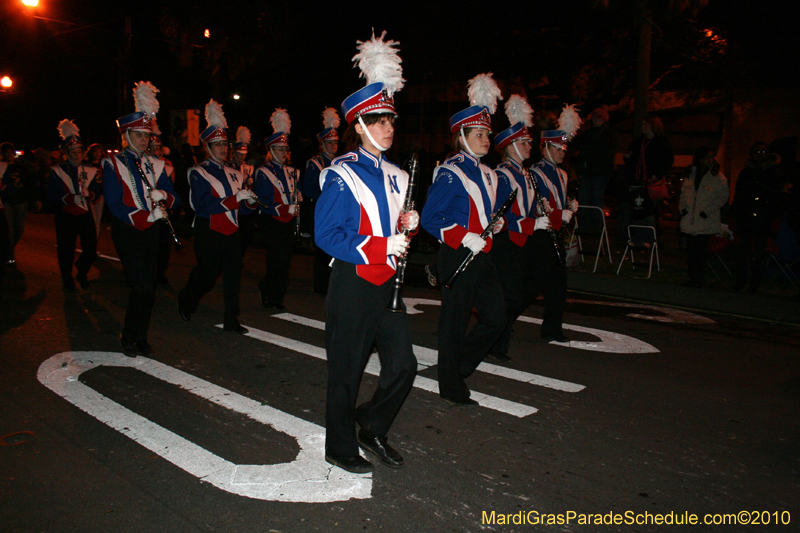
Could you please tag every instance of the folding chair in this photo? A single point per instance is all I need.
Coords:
(603, 235)
(653, 250)
(784, 267)
(717, 246)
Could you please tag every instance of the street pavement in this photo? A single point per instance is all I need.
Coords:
(669, 403)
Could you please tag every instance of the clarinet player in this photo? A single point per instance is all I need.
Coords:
(359, 222)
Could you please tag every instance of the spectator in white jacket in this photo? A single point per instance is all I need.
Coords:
(703, 194)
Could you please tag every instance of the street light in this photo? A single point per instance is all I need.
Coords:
(30, 3)
(6, 82)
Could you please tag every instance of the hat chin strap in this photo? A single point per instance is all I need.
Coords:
(369, 136)
(466, 144)
(211, 155)
(521, 159)
(547, 152)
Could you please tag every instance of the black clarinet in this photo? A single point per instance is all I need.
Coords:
(485, 235)
(162, 204)
(553, 234)
(408, 205)
(295, 198)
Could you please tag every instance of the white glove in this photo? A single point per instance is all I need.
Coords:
(396, 245)
(573, 205)
(566, 216)
(499, 225)
(547, 209)
(409, 220)
(244, 194)
(157, 195)
(542, 223)
(78, 199)
(474, 242)
(292, 209)
(157, 214)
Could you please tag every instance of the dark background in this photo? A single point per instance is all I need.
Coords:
(298, 57)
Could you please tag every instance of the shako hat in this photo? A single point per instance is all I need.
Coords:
(144, 97)
(242, 139)
(217, 129)
(483, 94)
(380, 64)
(568, 124)
(330, 121)
(281, 126)
(520, 115)
(69, 135)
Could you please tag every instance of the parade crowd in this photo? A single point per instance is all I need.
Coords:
(500, 231)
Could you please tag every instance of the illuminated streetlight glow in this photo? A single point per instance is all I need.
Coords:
(6, 82)
(207, 34)
(30, 3)
(235, 96)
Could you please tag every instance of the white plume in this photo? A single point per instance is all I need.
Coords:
(67, 128)
(569, 121)
(280, 121)
(519, 110)
(243, 135)
(214, 115)
(380, 62)
(144, 97)
(483, 90)
(330, 118)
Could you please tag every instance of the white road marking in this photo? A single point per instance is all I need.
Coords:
(427, 357)
(675, 316)
(373, 368)
(306, 479)
(610, 342)
(110, 258)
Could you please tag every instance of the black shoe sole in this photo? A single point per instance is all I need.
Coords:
(364, 468)
(367, 448)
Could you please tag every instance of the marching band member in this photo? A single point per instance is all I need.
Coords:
(165, 238)
(71, 189)
(512, 251)
(138, 193)
(238, 160)
(549, 274)
(328, 146)
(460, 203)
(359, 222)
(216, 194)
(276, 186)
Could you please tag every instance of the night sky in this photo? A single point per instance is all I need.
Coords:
(296, 57)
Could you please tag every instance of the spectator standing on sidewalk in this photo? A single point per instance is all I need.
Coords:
(648, 158)
(704, 193)
(17, 198)
(597, 148)
(756, 212)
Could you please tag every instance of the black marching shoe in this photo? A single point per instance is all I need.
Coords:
(557, 338)
(235, 328)
(143, 348)
(128, 346)
(458, 401)
(379, 447)
(184, 314)
(83, 281)
(352, 463)
(497, 356)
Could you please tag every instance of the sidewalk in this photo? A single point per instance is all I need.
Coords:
(740, 304)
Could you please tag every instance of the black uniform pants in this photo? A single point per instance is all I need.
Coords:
(550, 277)
(356, 318)
(278, 241)
(165, 244)
(516, 276)
(138, 251)
(247, 230)
(477, 286)
(214, 253)
(68, 229)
